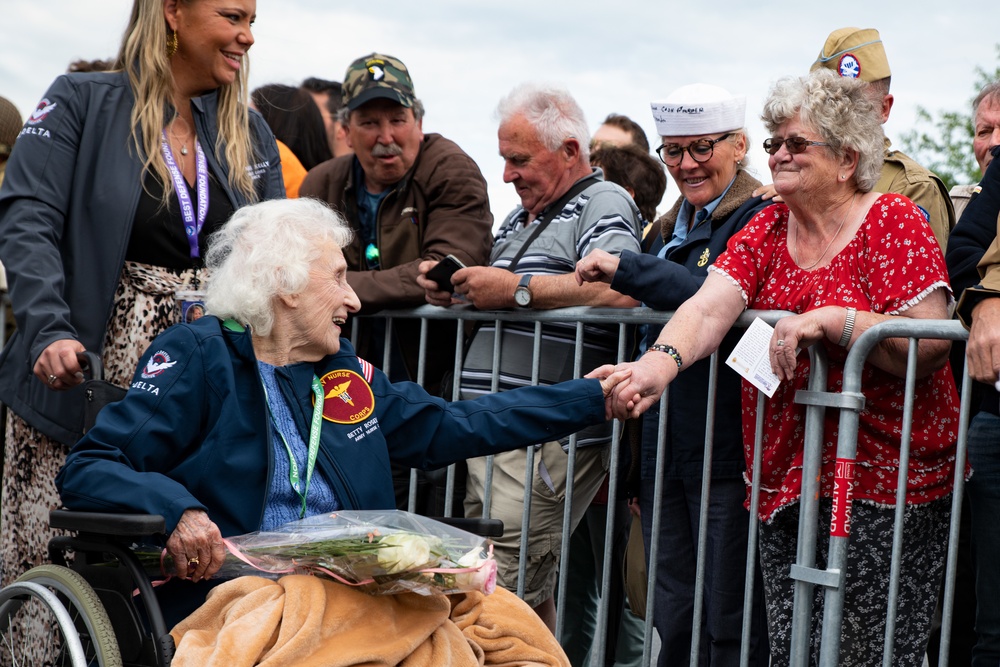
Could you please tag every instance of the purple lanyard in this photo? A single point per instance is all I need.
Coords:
(192, 226)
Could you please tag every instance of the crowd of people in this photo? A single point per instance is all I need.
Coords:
(295, 208)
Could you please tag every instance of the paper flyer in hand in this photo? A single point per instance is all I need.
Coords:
(750, 359)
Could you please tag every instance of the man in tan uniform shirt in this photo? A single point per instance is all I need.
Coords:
(858, 54)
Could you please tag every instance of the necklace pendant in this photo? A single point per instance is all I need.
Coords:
(184, 150)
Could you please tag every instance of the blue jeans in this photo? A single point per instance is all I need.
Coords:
(722, 611)
(983, 492)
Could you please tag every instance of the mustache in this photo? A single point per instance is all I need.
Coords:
(386, 150)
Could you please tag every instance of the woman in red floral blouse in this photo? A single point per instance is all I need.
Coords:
(843, 258)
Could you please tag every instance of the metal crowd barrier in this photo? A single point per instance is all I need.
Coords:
(816, 398)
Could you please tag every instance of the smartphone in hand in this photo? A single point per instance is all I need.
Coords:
(442, 272)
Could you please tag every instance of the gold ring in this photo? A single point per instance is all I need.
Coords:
(193, 561)
(52, 380)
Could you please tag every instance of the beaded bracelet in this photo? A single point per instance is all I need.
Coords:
(667, 349)
(845, 337)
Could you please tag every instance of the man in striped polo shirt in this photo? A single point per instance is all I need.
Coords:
(567, 210)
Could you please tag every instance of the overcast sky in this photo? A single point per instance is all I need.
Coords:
(614, 56)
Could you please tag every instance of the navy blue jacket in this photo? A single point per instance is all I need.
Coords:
(67, 205)
(193, 432)
(664, 284)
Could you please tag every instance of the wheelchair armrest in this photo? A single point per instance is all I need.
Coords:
(108, 523)
(482, 527)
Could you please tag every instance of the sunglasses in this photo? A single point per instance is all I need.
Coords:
(700, 151)
(793, 145)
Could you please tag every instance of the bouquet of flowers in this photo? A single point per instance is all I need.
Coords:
(383, 552)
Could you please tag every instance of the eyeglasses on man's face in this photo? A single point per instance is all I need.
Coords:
(700, 151)
(793, 145)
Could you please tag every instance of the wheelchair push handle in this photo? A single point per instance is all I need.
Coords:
(91, 364)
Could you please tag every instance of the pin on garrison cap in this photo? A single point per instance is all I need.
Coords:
(855, 53)
(377, 76)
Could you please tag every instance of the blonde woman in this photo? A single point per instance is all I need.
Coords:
(116, 182)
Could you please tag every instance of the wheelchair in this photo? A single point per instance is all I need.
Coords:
(102, 603)
(90, 601)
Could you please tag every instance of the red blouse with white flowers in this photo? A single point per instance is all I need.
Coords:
(891, 264)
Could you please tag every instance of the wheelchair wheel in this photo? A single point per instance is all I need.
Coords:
(24, 618)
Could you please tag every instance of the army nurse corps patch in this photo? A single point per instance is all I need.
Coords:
(347, 398)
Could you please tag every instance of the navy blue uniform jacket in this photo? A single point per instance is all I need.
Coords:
(664, 284)
(193, 432)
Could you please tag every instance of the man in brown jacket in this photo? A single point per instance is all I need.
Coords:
(409, 197)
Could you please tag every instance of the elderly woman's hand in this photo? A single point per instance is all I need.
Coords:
(795, 332)
(650, 375)
(434, 294)
(196, 546)
(610, 378)
(598, 266)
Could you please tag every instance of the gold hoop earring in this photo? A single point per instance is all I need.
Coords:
(172, 44)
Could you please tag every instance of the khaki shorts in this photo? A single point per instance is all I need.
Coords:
(548, 494)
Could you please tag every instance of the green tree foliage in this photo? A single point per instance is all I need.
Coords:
(943, 142)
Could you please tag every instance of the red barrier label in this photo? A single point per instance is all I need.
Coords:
(843, 485)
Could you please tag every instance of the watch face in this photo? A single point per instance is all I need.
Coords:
(522, 296)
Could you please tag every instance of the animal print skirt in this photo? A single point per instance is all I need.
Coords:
(144, 306)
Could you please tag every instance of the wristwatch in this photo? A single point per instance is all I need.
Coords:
(522, 295)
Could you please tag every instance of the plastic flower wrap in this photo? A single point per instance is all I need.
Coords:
(383, 552)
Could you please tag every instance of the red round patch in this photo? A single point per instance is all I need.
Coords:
(347, 398)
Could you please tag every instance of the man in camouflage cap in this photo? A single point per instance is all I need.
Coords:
(409, 197)
(858, 54)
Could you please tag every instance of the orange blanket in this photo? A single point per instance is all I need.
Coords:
(310, 622)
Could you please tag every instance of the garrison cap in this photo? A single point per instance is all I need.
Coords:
(377, 76)
(855, 53)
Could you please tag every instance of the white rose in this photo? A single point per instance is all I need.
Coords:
(400, 552)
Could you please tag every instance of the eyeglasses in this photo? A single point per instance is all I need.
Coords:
(793, 145)
(700, 151)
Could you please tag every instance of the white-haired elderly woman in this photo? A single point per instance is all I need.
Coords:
(260, 413)
(843, 258)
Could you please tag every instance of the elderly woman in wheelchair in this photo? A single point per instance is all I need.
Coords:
(261, 413)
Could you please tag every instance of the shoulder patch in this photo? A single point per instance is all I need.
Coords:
(367, 370)
(927, 216)
(43, 109)
(157, 365)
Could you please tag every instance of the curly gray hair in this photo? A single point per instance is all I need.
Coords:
(266, 250)
(840, 110)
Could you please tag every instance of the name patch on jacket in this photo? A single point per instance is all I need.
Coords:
(347, 398)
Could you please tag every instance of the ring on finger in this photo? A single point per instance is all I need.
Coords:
(52, 380)
(781, 342)
(193, 562)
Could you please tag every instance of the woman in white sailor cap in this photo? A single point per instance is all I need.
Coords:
(704, 146)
